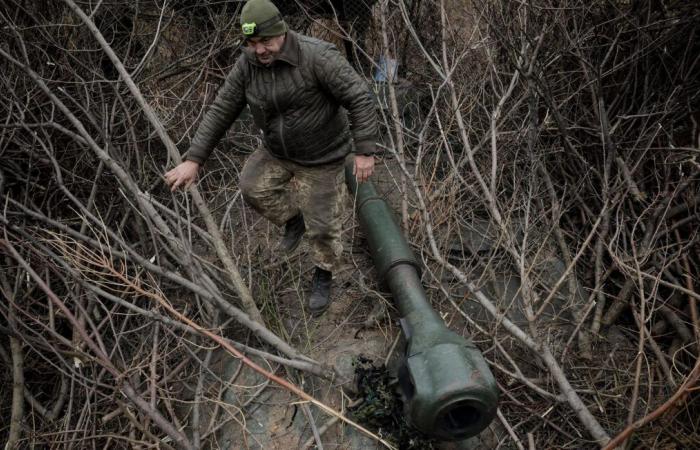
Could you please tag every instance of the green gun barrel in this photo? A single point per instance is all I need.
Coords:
(449, 390)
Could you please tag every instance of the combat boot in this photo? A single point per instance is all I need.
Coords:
(293, 232)
(320, 292)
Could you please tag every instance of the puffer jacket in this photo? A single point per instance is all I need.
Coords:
(307, 103)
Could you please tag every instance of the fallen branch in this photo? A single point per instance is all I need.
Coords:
(244, 359)
(540, 349)
(125, 387)
(18, 387)
(174, 154)
(147, 208)
(682, 391)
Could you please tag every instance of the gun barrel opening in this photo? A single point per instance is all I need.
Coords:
(458, 419)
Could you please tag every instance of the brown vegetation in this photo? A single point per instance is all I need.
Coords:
(543, 160)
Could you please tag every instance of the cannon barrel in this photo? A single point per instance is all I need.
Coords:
(448, 389)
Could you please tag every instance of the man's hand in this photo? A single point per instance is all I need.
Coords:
(364, 166)
(183, 174)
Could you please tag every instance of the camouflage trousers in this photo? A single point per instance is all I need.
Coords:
(316, 191)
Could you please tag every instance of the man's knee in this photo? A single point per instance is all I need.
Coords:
(257, 195)
(252, 180)
(254, 184)
(249, 188)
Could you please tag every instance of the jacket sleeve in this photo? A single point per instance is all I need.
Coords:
(229, 102)
(344, 84)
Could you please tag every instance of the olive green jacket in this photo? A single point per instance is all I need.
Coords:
(308, 103)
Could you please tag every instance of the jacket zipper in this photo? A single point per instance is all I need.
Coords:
(279, 113)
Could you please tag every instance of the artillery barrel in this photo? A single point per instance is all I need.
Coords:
(448, 389)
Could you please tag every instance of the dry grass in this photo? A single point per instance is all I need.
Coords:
(544, 167)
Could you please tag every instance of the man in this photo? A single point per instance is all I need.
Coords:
(300, 91)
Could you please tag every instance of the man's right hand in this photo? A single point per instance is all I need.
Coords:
(183, 174)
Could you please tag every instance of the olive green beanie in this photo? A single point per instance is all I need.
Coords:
(261, 18)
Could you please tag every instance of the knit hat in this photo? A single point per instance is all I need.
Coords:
(261, 18)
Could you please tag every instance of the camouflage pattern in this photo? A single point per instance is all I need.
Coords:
(317, 192)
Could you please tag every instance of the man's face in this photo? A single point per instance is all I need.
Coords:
(266, 49)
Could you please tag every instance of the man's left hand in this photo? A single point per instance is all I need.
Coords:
(364, 166)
